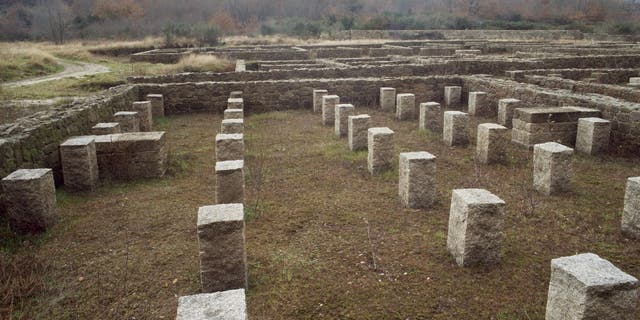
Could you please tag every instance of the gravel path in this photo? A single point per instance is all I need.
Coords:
(71, 69)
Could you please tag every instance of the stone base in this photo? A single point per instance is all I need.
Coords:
(381, 150)
(225, 305)
(30, 199)
(631, 214)
(417, 179)
(79, 164)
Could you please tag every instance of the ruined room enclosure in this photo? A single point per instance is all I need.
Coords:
(325, 239)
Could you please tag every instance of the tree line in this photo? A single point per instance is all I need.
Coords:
(59, 20)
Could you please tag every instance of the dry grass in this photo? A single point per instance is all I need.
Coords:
(22, 60)
(199, 63)
(317, 219)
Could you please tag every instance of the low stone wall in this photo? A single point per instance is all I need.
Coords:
(614, 76)
(32, 142)
(624, 115)
(624, 93)
(462, 34)
(262, 96)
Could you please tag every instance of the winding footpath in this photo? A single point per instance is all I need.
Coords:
(71, 69)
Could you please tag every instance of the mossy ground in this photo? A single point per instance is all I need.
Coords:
(325, 239)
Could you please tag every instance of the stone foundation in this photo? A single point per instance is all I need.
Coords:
(230, 182)
(417, 179)
(538, 125)
(357, 135)
(105, 128)
(229, 147)
(130, 156)
(381, 150)
(491, 144)
(506, 108)
(552, 168)
(79, 164)
(475, 227)
(593, 135)
(226, 305)
(221, 242)
(455, 128)
(405, 106)
(586, 286)
(30, 200)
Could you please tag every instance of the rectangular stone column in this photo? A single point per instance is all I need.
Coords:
(430, 117)
(221, 240)
(631, 213)
(593, 135)
(230, 181)
(30, 199)
(552, 168)
(235, 94)
(144, 114)
(103, 128)
(157, 104)
(341, 125)
(232, 126)
(79, 163)
(329, 103)
(380, 146)
(479, 105)
(491, 145)
(417, 182)
(233, 114)
(358, 127)
(475, 231)
(235, 103)
(455, 128)
(506, 109)
(387, 99)
(634, 81)
(453, 97)
(229, 147)
(587, 287)
(515, 74)
(128, 120)
(225, 305)
(405, 106)
(317, 99)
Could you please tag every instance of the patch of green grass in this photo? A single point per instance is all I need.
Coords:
(25, 66)
(161, 123)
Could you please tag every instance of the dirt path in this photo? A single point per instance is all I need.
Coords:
(71, 69)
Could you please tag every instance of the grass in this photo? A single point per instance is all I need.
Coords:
(20, 62)
(322, 222)
(199, 63)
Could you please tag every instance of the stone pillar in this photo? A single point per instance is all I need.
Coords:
(157, 104)
(241, 65)
(235, 103)
(380, 146)
(506, 108)
(230, 181)
(341, 124)
(232, 126)
(221, 239)
(475, 227)
(358, 128)
(228, 305)
(552, 168)
(587, 287)
(317, 99)
(479, 105)
(455, 127)
(593, 135)
(229, 147)
(233, 114)
(387, 99)
(634, 81)
(405, 106)
(417, 182)
(79, 163)
(144, 114)
(453, 97)
(128, 120)
(631, 213)
(430, 117)
(515, 74)
(104, 128)
(329, 103)
(235, 94)
(491, 145)
(30, 199)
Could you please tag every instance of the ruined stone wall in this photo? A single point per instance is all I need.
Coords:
(462, 34)
(624, 93)
(624, 115)
(32, 141)
(614, 76)
(262, 96)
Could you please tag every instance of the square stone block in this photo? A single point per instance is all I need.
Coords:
(329, 103)
(475, 230)
(30, 199)
(235, 103)
(317, 99)
(229, 147)
(479, 105)
(455, 128)
(232, 126)
(236, 94)
(105, 128)
(144, 115)
(221, 242)
(225, 305)
(358, 127)
(552, 168)
(387, 99)
(453, 97)
(586, 286)
(233, 114)
(430, 117)
(631, 213)
(593, 135)
(417, 179)
(341, 124)
(79, 163)
(405, 106)
(230, 181)
(157, 104)
(506, 109)
(129, 121)
(492, 142)
(381, 150)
